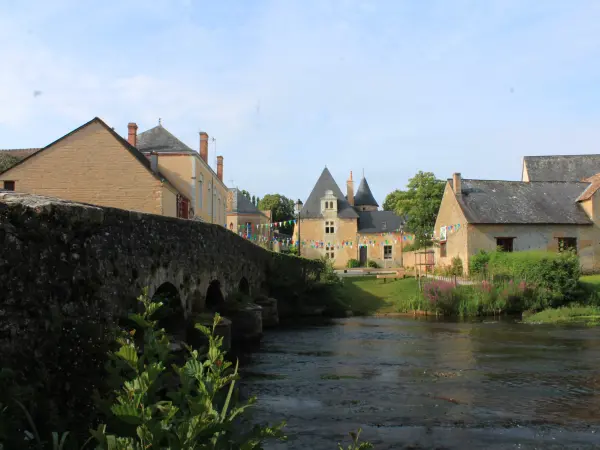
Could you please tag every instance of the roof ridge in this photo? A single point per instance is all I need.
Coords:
(523, 182)
(561, 156)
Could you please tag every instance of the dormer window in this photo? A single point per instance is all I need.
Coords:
(329, 203)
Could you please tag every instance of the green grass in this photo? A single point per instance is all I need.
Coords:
(567, 314)
(370, 295)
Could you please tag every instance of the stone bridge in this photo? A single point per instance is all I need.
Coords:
(59, 254)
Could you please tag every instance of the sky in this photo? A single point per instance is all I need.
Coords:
(287, 87)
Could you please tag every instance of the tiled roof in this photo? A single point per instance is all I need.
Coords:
(378, 221)
(240, 203)
(363, 196)
(561, 167)
(516, 202)
(160, 140)
(312, 206)
(19, 152)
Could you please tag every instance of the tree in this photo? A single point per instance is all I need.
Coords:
(7, 161)
(245, 193)
(420, 203)
(282, 209)
(254, 200)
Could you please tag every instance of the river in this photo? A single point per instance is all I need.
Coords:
(427, 384)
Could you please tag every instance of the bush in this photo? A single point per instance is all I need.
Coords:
(352, 263)
(479, 262)
(456, 268)
(372, 264)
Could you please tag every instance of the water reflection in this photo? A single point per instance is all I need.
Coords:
(428, 383)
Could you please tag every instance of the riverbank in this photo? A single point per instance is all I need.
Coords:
(589, 315)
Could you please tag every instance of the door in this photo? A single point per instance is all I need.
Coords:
(362, 255)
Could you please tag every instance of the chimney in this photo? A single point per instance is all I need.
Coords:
(132, 133)
(154, 162)
(204, 146)
(220, 167)
(350, 190)
(456, 183)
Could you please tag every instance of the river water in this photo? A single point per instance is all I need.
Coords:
(426, 384)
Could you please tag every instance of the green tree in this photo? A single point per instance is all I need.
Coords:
(282, 209)
(254, 200)
(245, 193)
(420, 203)
(7, 161)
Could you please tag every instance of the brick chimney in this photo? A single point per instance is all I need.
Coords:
(204, 146)
(132, 133)
(220, 167)
(457, 183)
(350, 190)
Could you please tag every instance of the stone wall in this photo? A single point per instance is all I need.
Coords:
(70, 271)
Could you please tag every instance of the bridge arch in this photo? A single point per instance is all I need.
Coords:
(244, 286)
(171, 316)
(214, 296)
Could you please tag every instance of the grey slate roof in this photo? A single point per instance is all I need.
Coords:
(516, 202)
(312, 206)
(363, 196)
(374, 221)
(562, 167)
(241, 205)
(158, 139)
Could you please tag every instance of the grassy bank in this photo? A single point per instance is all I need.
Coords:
(567, 314)
(369, 295)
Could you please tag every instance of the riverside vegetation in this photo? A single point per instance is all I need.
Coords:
(158, 399)
(548, 286)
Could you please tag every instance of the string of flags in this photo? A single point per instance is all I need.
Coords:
(364, 242)
(260, 226)
(448, 229)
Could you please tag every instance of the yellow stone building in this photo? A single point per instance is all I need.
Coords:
(344, 227)
(188, 170)
(246, 219)
(556, 206)
(93, 164)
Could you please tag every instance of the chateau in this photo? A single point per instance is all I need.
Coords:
(344, 227)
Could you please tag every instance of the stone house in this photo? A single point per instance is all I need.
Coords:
(536, 214)
(343, 227)
(187, 169)
(246, 219)
(93, 164)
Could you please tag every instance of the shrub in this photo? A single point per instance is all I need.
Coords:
(372, 264)
(456, 268)
(479, 262)
(352, 263)
(441, 296)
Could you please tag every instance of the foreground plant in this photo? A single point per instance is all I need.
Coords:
(355, 444)
(182, 408)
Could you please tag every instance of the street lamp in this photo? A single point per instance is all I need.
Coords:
(298, 207)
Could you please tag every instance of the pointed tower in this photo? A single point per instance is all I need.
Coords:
(364, 200)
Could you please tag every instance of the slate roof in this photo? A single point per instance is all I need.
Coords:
(19, 152)
(373, 221)
(516, 202)
(364, 196)
(561, 167)
(312, 206)
(241, 205)
(160, 140)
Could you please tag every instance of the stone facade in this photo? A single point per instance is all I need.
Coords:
(94, 165)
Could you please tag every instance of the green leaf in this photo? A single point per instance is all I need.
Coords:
(129, 354)
(127, 413)
(142, 322)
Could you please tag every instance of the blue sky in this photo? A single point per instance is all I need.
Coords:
(289, 86)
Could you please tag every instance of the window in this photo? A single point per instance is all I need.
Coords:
(567, 243)
(183, 207)
(505, 244)
(384, 225)
(219, 221)
(329, 227)
(9, 185)
(329, 252)
(387, 252)
(443, 250)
